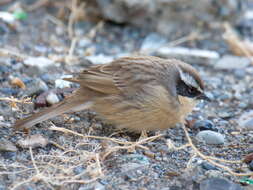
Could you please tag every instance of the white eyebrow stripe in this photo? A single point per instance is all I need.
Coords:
(188, 79)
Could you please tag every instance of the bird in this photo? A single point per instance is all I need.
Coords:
(137, 93)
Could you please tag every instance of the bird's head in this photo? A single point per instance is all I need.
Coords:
(189, 83)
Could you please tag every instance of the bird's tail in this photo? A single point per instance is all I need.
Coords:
(70, 104)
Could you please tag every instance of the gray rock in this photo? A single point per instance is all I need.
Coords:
(40, 62)
(6, 145)
(207, 166)
(211, 137)
(165, 16)
(245, 122)
(52, 98)
(37, 86)
(204, 125)
(228, 62)
(190, 55)
(152, 42)
(224, 114)
(219, 184)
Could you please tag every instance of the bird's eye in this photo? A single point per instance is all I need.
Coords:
(190, 90)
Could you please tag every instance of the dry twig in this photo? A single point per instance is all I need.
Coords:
(14, 100)
(9, 53)
(128, 145)
(211, 159)
(191, 37)
(238, 47)
(76, 11)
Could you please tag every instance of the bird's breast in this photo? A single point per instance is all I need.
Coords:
(155, 112)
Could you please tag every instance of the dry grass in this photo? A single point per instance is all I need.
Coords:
(238, 46)
(57, 168)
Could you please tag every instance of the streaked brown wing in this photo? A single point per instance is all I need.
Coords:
(126, 75)
(97, 79)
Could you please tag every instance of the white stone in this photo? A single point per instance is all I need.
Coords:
(99, 59)
(211, 137)
(189, 52)
(52, 98)
(40, 62)
(60, 83)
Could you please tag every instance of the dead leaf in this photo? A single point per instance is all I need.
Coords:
(18, 82)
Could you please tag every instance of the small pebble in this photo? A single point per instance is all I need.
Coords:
(52, 98)
(225, 96)
(48, 77)
(211, 137)
(60, 83)
(207, 166)
(99, 59)
(6, 145)
(240, 73)
(204, 125)
(139, 158)
(36, 87)
(78, 169)
(225, 114)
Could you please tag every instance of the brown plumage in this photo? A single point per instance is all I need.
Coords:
(136, 93)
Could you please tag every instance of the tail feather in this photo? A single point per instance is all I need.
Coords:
(71, 104)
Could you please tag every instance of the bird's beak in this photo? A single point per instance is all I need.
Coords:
(203, 96)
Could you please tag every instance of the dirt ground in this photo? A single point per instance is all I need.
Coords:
(80, 151)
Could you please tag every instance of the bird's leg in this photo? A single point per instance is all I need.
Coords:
(143, 135)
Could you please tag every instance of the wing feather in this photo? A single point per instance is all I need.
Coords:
(125, 75)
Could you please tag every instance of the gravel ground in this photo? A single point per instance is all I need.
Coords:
(79, 151)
